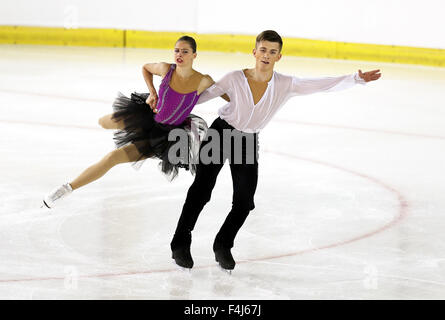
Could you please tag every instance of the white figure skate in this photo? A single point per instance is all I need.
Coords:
(57, 194)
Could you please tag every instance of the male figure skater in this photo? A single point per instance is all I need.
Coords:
(255, 96)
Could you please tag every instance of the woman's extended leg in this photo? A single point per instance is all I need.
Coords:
(124, 154)
(107, 122)
(128, 153)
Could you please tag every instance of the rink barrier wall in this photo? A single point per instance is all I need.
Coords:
(219, 42)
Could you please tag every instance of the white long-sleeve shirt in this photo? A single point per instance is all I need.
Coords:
(243, 115)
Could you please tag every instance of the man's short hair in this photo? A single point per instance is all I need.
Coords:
(269, 35)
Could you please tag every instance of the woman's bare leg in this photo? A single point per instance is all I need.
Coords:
(128, 153)
(107, 122)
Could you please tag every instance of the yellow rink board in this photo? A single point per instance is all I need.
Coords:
(219, 42)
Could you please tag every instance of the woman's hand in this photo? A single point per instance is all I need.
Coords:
(152, 101)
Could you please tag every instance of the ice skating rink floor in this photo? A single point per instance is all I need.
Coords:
(350, 201)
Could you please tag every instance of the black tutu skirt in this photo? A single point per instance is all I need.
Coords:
(151, 137)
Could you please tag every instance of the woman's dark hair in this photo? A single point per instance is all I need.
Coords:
(190, 41)
(271, 36)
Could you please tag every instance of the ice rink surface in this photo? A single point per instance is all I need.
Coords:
(350, 201)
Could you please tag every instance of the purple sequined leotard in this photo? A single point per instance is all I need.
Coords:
(173, 107)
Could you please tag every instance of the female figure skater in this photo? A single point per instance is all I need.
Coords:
(145, 120)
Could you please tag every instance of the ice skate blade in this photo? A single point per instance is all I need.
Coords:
(183, 269)
(44, 205)
(227, 271)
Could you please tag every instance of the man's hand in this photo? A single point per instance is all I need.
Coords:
(370, 75)
(152, 101)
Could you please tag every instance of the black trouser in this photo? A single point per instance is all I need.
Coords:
(244, 178)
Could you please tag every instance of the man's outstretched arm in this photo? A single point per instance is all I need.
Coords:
(370, 75)
(302, 86)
